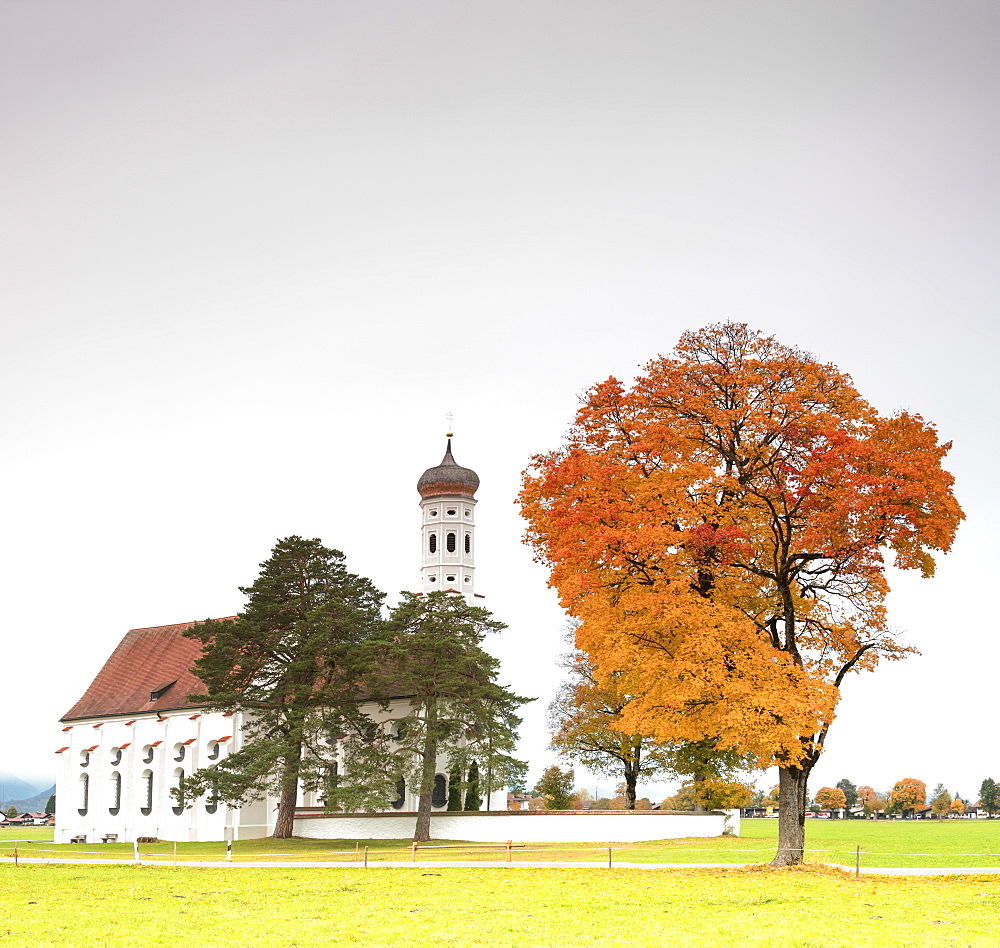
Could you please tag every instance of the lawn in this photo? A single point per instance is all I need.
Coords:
(111, 906)
(893, 844)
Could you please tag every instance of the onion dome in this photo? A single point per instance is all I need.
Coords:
(448, 478)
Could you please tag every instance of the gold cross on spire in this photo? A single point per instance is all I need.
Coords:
(451, 424)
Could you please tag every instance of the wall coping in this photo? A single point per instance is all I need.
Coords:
(319, 813)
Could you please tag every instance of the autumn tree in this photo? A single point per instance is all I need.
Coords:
(957, 806)
(720, 530)
(582, 719)
(908, 794)
(555, 786)
(989, 796)
(831, 798)
(11, 812)
(439, 686)
(291, 662)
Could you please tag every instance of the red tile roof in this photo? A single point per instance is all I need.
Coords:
(145, 660)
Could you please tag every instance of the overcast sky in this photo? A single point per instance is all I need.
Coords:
(254, 252)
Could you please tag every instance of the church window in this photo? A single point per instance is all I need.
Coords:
(432, 579)
(450, 543)
(178, 808)
(147, 757)
(433, 513)
(452, 512)
(179, 750)
(116, 793)
(450, 579)
(468, 579)
(84, 794)
(212, 803)
(213, 750)
(440, 795)
(84, 758)
(468, 512)
(397, 804)
(468, 543)
(116, 756)
(433, 544)
(147, 779)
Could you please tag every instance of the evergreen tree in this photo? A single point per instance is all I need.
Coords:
(473, 801)
(989, 796)
(455, 788)
(291, 662)
(850, 792)
(431, 666)
(11, 811)
(50, 806)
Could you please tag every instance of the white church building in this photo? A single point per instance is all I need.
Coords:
(134, 734)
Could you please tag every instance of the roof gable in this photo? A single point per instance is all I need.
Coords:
(144, 661)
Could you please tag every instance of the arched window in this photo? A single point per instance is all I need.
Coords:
(440, 795)
(213, 750)
(84, 758)
(147, 781)
(84, 794)
(116, 756)
(397, 804)
(433, 544)
(147, 755)
(178, 807)
(116, 793)
(179, 751)
(450, 543)
(468, 543)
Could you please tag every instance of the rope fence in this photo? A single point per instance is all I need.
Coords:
(364, 855)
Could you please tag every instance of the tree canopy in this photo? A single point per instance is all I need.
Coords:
(291, 661)
(720, 529)
(447, 702)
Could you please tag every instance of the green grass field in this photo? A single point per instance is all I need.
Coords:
(111, 906)
(895, 844)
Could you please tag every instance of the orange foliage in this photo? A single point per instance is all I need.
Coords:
(719, 528)
(831, 798)
(908, 793)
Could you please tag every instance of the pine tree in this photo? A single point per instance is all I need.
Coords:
(431, 667)
(989, 796)
(11, 811)
(473, 801)
(850, 792)
(50, 806)
(455, 788)
(291, 662)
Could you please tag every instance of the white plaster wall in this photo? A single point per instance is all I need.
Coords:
(532, 827)
(194, 823)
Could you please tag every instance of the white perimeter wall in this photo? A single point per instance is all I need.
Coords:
(616, 826)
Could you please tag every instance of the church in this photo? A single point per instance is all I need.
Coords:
(134, 734)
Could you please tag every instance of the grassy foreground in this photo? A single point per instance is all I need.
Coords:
(112, 906)
(964, 844)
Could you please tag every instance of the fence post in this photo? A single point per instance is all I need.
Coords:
(510, 846)
(229, 850)
(135, 850)
(609, 857)
(857, 864)
(413, 857)
(175, 855)
(366, 857)
(16, 863)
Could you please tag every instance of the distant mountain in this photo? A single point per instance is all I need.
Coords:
(14, 788)
(32, 804)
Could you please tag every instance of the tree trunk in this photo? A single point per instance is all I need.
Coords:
(428, 766)
(697, 779)
(285, 821)
(792, 814)
(630, 781)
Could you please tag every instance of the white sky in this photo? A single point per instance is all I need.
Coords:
(254, 252)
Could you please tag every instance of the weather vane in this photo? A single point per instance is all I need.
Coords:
(451, 424)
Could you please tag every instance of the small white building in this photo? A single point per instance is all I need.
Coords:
(135, 733)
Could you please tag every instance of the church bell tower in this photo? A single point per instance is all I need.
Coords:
(447, 506)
